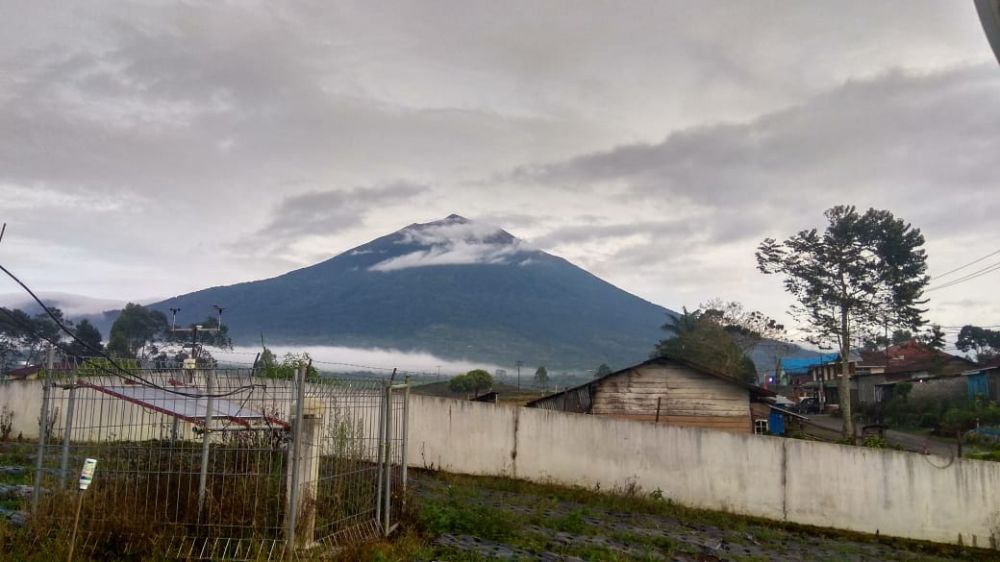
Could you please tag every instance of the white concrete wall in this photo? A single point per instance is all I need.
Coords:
(867, 490)
(24, 399)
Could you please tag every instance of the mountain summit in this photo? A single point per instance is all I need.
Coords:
(456, 288)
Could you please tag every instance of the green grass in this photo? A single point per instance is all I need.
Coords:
(591, 503)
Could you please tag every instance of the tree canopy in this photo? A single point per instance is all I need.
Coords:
(542, 376)
(134, 329)
(471, 381)
(864, 274)
(91, 338)
(602, 370)
(701, 338)
(985, 343)
(24, 335)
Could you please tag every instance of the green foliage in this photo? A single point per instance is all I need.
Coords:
(91, 338)
(985, 343)
(135, 328)
(746, 327)
(471, 381)
(602, 371)
(875, 442)
(542, 376)
(864, 273)
(701, 339)
(457, 516)
(288, 366)
(948, 416)
(24, 335)
(866, 270)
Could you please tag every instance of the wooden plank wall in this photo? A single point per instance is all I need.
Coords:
(687, 397)
(574, 400)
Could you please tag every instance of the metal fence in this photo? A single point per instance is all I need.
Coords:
(219, 463)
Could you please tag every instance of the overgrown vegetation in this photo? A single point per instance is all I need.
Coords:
(623, 524)
(720, 335)
(271, 368)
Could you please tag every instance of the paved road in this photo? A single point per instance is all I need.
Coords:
(908, 441)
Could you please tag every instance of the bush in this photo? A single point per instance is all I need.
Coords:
(875, 442)
(471, 381)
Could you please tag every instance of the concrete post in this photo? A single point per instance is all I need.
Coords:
(302, 478)
(379, 459)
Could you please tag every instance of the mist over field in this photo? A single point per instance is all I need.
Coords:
(347, 359)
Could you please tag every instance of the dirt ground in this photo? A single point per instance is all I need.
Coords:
(467, 518)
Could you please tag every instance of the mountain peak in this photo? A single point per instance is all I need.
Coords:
(455, 288)
(453, 240)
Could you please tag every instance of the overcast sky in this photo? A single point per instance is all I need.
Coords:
(150, 149)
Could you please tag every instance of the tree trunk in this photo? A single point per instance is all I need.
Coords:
(844, 387)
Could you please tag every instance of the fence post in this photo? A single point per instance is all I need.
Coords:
(67, 433)
(388, 459)
(379, 462)
(42, 427)
(205, 443)
(293, 486)
(304, 475)
(406, 428)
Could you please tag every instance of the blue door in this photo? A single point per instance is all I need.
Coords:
(979, 384)
(776, 422)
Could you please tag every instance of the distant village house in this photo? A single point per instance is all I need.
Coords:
(665, 390)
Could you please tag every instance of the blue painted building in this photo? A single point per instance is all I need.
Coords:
(984, 382)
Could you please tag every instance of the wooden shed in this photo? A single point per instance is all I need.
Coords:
(663, 390)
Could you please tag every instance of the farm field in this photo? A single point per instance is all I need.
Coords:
(475, 518)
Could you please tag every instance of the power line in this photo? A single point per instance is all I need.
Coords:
(969, 277)
(973, 262)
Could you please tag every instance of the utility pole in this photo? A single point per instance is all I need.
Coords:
(194, 333)
(519, 363)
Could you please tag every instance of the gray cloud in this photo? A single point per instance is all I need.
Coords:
(898, 132)
(321, 213)
(229, 137)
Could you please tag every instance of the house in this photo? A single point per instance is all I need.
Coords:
(664, 390)
(984, 381)
(27, 373)
(800, 373)
(933, 373)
